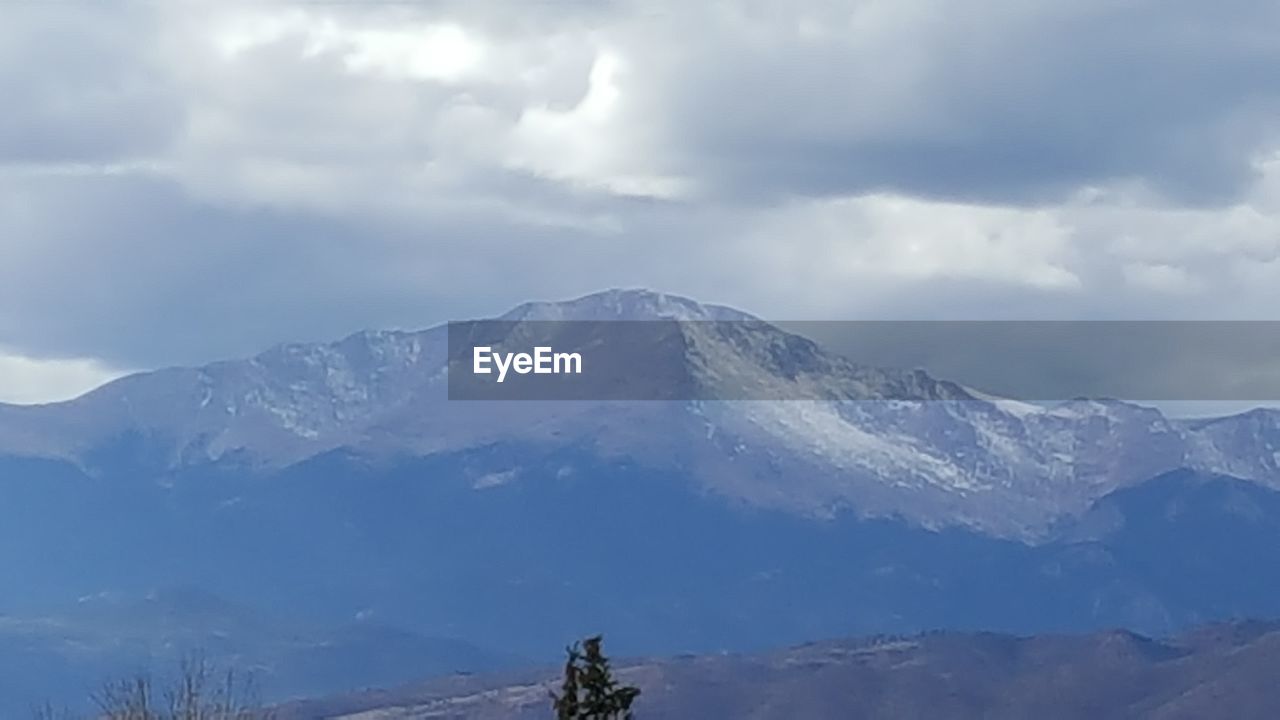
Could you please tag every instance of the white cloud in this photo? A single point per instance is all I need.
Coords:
(1160, 277)
(888, 237)
(441, 51)
(435, 52)
(27, 380)
(591, 143)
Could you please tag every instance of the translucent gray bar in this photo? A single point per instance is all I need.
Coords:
(857, 360)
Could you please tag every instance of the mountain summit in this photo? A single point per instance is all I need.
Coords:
(870, 441)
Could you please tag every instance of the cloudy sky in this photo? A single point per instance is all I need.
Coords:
(182, 181)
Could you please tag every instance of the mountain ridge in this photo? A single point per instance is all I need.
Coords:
(936, 453)
(1108, 674)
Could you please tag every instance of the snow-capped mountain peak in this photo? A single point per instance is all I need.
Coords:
(624, 304)
(819, 434)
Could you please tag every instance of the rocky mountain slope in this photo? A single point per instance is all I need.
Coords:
(877, 442)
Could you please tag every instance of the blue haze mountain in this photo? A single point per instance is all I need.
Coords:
(335, 485)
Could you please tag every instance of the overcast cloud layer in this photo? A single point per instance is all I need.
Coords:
(183, 181)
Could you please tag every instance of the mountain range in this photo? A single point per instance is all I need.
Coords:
(1001, 467)
(1225, 670)
(338, 486)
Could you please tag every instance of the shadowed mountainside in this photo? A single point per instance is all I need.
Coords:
(1225, 671)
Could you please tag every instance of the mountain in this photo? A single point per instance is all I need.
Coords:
(937, 454)
(1216, 671)
(336, 485)
(66, 653)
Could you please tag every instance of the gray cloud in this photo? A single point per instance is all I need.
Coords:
(81, 83)
(991, 101)
(180, 182)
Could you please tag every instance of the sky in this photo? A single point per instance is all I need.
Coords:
(183, 180)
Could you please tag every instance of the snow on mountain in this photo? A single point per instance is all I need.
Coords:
(619, 304)
(935, 453)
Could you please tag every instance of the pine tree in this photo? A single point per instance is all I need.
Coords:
(588, 691)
